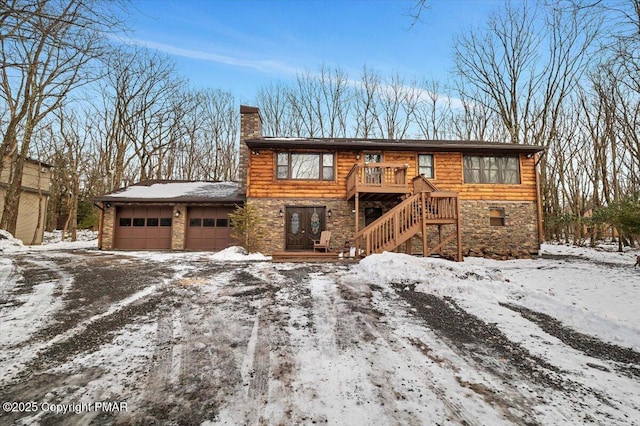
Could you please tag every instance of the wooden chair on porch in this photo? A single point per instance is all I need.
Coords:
(323, 242)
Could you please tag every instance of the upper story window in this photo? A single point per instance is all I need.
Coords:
(425, 165)
(305, 165)
(373, 157)
(486, 169)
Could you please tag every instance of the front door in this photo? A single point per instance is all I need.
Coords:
(303, 226)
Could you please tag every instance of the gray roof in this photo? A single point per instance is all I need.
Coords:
(349, 144)
(176, 192)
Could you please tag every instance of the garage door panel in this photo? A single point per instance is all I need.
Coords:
(208, 228)
(143, 227)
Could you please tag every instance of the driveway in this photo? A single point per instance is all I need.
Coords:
(125, 338)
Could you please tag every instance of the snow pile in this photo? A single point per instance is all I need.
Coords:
(230, 254)
(8, 243)
(237, 254)
(401, 268)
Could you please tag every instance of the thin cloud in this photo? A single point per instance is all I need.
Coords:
(269, 66)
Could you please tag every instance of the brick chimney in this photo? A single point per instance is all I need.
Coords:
(250, 128)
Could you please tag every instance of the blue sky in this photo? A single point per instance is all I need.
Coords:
(242, 45)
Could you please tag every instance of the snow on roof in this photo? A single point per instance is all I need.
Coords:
(172, 190)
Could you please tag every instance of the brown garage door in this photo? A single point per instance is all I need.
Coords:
(143, 227)
(208, 228)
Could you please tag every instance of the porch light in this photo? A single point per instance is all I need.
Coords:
(281, 213)
(357, 155)
(178, 213)
(255, 152)
(329, 213)
(107, 205)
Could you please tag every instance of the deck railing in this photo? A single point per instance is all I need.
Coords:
(405, 220)
(377, 177)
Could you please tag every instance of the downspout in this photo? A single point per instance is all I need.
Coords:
(539, 201)
(100, 224)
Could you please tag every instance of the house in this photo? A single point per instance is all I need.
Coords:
(168, 215)
(454, 198)
(32, 207)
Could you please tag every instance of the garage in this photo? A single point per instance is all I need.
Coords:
(208, 228)
(168, 215)
(141, 227)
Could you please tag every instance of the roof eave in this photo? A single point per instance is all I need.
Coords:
(350, 145)
(175, 200)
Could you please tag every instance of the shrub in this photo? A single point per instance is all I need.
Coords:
(247, 226)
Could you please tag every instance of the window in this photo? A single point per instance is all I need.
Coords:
(138, 221)
(222, 223)
(125, 221)
(208, 223)
(485, 169)
(165, 221)
(195, 222)
(306, 166)
(373, 157)
(496, 216)
(152, 221)
(425, 165)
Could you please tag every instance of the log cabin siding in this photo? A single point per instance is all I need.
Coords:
(264, 184)
(448, 176)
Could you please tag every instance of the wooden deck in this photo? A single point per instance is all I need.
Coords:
(308, 256)
(377, 180)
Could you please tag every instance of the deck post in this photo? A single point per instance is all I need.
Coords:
(357, 212)
(458, 230)
(423, 208)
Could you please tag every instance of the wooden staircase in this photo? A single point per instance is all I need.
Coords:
(422, 209)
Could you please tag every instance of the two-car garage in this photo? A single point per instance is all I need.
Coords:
(169, 215)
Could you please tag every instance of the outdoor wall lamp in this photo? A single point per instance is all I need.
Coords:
(530, 155)
(107, 205)
(329, 213)
(178, 213)
(255, 152)
(357, 155)
(281, 213)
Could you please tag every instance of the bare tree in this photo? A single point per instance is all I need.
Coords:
(526, 61)
(433, 111)
(367, 104)
(273, 101)
(138, 114)
(45, 55)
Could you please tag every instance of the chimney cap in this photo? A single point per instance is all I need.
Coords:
(244, 109)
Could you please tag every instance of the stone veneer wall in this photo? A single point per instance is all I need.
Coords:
(178, 227)
(108, 224)
(518, 238)
(341, 223)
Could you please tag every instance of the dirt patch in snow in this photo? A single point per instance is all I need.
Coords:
(483, 342)
(627, 358)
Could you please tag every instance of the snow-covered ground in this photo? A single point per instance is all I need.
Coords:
(230, 338)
